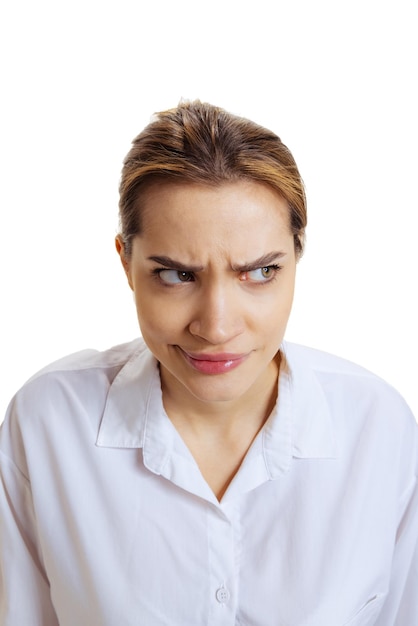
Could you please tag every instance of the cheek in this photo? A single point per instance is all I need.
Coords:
(279, 310)
(283, 293)
(287, 292)
(156, 320)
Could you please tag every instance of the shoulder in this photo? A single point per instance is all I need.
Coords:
(114, 357)
(325, 362)
(351, 391)
(335, 370)
(63, 403)
(369, 419)
(76, 383)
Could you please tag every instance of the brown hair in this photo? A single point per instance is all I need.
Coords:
(200, 143)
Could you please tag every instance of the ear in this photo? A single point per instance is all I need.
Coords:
(120, 249)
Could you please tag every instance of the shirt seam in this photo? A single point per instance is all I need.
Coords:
(7, 460)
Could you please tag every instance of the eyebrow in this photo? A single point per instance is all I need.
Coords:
(263, 261)
(175, 265)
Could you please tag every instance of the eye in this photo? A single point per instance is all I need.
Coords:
(263, 274)
(174, 277)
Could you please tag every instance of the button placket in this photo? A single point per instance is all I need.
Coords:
(224, 533)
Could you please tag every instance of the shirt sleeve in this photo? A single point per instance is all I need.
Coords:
(401, 605)
(24, 588)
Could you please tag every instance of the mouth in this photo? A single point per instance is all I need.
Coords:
(213, 363)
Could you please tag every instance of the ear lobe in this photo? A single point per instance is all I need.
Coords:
(120, 248)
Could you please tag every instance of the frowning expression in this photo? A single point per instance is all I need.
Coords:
(213, 274)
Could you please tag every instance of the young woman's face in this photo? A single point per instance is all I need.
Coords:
(213, 276)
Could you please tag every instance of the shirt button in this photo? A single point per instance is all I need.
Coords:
(222, 595)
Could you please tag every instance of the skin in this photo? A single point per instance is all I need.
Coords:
(210, 313)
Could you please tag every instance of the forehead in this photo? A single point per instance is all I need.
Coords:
(232, 223)
(234, 204)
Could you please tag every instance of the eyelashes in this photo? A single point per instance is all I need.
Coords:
(257, 276)
(173, 277)
(261, 274)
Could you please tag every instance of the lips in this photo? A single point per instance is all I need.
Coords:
(214, 363)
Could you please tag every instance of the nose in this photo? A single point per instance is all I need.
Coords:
(218, 317)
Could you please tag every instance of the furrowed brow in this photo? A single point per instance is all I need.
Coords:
(263, 261)
(172, 264)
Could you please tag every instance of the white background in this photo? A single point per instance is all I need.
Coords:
(336, 80)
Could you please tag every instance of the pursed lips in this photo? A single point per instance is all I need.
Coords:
(213, 363)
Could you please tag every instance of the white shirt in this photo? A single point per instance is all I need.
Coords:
(106, 519)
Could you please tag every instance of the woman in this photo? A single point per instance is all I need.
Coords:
(209, 473)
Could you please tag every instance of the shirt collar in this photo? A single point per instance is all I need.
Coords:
(124, 418)
(300, 425)
(312, 427)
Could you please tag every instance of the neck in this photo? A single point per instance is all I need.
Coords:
(219, 434)
(248, 412)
